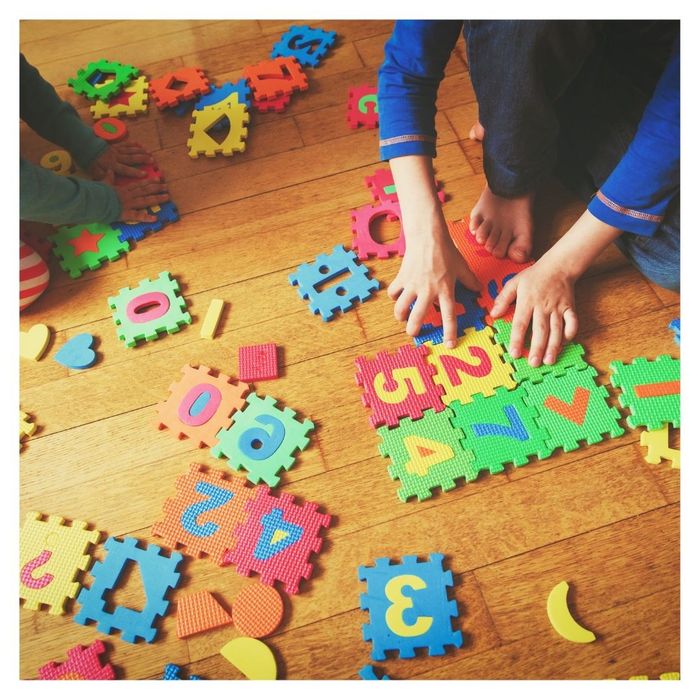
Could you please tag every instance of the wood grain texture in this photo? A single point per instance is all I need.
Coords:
(599, 517)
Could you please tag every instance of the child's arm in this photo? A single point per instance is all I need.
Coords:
(415, 59)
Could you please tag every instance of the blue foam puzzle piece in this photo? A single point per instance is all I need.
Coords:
(338, 297)
(219, 94)
(183, 108)
(172, 673)
(158, 573)
(414, 595)
(369, 673)
(167, 214)
(675, 326)
(308, 45)
(77, 353)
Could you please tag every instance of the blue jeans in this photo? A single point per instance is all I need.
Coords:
(565, 97)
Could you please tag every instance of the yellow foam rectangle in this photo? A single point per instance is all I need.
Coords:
(211, 320)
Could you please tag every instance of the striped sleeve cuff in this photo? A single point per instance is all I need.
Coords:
(407, 145)
(641, 223)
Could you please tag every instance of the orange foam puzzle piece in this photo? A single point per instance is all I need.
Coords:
(199, 612)
(257, 610)
(276, 77)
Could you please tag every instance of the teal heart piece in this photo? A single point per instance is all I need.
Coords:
(77, 353)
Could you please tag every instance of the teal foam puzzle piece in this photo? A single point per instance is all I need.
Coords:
(573, 408)
(426, 454)
(500, 429)
(651, 390)
(571, 356)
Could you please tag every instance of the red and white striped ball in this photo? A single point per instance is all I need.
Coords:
(33, 275)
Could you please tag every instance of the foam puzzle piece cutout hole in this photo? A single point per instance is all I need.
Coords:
(561, 618)
(110, 129)
(658, 448)
(33, 343)
(253, 658)
(211, 320)
(77, 353)
(257, 610)
(199, 612)
(257, 362)
(58, 161)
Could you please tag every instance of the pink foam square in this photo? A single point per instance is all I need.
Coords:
(257, 362)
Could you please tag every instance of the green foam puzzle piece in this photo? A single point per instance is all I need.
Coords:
(571, 356)
(650, 390)
(263, 439)
(86, 247)
(123, 74)
(572, 408)
(426, 454)
(500, 429)
(170, 321)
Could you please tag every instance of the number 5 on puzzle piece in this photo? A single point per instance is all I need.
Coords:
(202, 515)
(263, 439)
(51, 555)
(308, 45)
(398, 385)
(408, 607)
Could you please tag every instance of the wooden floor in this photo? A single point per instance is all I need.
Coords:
(600, 517)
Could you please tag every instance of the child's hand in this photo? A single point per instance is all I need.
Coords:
(120, 160)
(428, 273)
(137, 196)
(545, 295)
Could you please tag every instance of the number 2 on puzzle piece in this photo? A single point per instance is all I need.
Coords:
(307, 44)
(263, 439)
(363, 108)
(408, 607)
(277, 539)
(202, 515)
(51, 555)
(201, 404)
(398, 385)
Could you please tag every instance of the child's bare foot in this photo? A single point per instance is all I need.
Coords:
(476, 133)
(503, 225)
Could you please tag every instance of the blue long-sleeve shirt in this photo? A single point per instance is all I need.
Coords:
(43, 195)
(635, 195)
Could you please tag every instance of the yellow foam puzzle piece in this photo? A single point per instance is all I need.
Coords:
(561, 619)
(211, 320)
(136, 104)
(33, 343)
(656, 442)
(252, 658)
(26, 427)
(50, 555)
(487, 368)
(200, 143)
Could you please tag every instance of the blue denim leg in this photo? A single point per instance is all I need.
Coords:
(658, 257)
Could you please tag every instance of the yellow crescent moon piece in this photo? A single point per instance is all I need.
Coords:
(561, 619)
(252, 658)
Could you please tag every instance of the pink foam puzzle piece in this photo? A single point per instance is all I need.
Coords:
(256, 362)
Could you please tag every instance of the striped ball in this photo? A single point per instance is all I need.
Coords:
(33, 275)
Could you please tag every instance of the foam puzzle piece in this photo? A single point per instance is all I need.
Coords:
(86, 247)
(651, 390)
(253, 658)
(492, 272)
(675, 326)
(123, 74)
(408, 607)
(51, 554)
(58, 161)
(362, 240)
(211, 320)
(202, 515)
(363, 107)
(199, 612)
(82, 664)
(151, 170)
(77, 353)
(223, 93)
(201, 143)
(131, 102)
(201, 404)
(257, 362)
(656, 442)
(152, 307)
(180, 85)
(474, 366)
(570, 357)
(33, 343)
(381, 185)
(278, 104)
(110, 129)
(307, 44)
(501, 429)
(426, 454)
(172, 672)
(263, 439)
(398, 385)
(158, 573)
(165, 214)
(573, 408)
(358, 287)
(469, 315)
(369, 673)
(275, 77)
(27, 427)
(257, 610)
(277, 539)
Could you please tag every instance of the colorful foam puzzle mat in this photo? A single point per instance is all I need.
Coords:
(418, 586)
